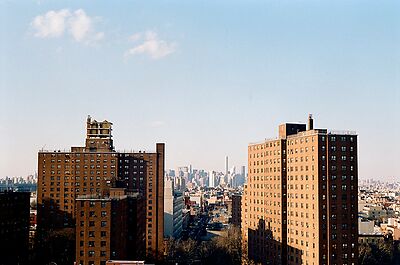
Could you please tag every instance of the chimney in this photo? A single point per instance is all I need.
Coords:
(310, 122)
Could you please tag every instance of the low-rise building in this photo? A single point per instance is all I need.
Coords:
(371, 239)
(374, 212)
(365, 226)
(109, 227)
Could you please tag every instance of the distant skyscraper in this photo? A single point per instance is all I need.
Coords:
(184, 172)
(180, 184)
(171, 173)
(233, 170)
(226, 166)
(211, 179)
(300, 202)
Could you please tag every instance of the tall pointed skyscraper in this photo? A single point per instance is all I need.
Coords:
(226, 166)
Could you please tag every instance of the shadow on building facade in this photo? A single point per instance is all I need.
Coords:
(264, 248)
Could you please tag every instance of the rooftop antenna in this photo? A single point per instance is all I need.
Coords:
(310, 122)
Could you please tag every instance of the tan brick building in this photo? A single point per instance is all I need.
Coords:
(300, 203)
(109, 227)
(93, 170)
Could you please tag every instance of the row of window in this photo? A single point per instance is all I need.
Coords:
(296, 150)
(67, 178)
(93, 234)
(67, 161)
(77, 184)
(67, 172)
(68, 155)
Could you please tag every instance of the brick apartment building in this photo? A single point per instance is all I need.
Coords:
(300, 202)
(110, 227)
(93, 170)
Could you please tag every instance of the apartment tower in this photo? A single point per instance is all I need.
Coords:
(300, 201)
(93, 170)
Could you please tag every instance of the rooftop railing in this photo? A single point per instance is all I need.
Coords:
(264, 141)
(309, 132)
(87, 151)
(342, 132)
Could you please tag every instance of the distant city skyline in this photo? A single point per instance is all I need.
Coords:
(206, 78)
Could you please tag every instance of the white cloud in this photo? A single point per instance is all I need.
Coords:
(79, 25)
(52, 24)
(135, 37)
(151, 45)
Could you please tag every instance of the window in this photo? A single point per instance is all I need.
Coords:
(103, 223)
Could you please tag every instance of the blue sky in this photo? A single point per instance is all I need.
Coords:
(206, 77)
